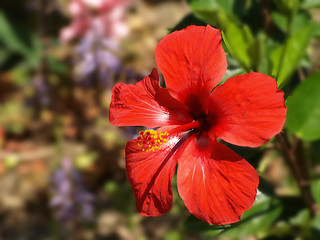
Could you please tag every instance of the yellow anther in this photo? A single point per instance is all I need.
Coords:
(150, 140)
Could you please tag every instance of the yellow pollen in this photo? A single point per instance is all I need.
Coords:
(151, 140)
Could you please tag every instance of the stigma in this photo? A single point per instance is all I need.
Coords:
(151, 140)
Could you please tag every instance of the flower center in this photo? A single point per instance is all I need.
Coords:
(150, 140)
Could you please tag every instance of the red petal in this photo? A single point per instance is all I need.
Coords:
(247, 110)
(192, 61)
(150, 175)
(145, 104)
(216, 184)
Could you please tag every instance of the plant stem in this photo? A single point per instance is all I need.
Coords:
(295, 158)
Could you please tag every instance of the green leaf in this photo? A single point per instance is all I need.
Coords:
(257, 51)
(238, 41)
(233, 8)
(301, 218)
(315, 190)
(286, 58)
(4, 55)
(303, 116)
(35, 54)
(238, 38)
(299, 21)
(56, 65)
(316, 29)
(287, 7)
(314, 151)
(9, 37)
(194, 224)
(218, 13)
(316, 227)
(252, 155)
(16, 40)
(257, 219)
(269, 46)
(280, 20)
(226, 5)
(310, 4)
(263, 213)
(231, 73)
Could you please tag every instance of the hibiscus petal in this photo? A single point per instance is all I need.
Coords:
(150, 175)
(247, 110)
(216, 184)
(146, 104)
(192, 61)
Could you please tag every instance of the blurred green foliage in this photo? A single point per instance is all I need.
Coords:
(303, 109)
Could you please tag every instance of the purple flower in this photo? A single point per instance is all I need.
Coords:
(96, 54)
(71, 199)
(42, 90)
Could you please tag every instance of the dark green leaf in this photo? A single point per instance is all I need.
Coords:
(303, 116)
(256, 52)
(194, 224)
(257, 219)
(314, 151)
(265, 187)
(263, 213)
(252, 155)
(292, 205)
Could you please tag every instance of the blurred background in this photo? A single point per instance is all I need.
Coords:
(62, 165)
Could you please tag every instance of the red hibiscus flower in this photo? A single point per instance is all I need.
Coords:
(215, 183)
